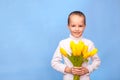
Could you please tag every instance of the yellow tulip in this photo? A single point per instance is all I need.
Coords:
(63, 52)
(77, 50)
(86, 55)
(74, 52)
(85, 49)
(79, 47)
(72, 44)
(93, 52)
(73, 48)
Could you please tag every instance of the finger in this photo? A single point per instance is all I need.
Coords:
(76, 67)
(85, 70)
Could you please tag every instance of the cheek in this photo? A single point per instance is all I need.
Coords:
(71, 29)
(82, 29)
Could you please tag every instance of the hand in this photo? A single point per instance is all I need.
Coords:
(79, 71)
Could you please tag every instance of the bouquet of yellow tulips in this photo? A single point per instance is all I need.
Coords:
(79, 54)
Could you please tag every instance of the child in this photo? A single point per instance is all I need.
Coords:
(76, 25)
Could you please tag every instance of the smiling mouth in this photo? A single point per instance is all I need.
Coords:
(76, 33)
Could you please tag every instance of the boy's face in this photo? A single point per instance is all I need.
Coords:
(76, 25)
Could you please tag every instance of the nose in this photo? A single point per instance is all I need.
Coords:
(76, 28)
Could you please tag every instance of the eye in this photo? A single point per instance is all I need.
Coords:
(80, 25)
(73, 25)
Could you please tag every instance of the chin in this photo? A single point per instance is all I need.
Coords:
(77, 36)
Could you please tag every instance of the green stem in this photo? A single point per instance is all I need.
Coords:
(76, 77)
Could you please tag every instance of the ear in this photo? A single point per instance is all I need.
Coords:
(85, 26)
(68, 26)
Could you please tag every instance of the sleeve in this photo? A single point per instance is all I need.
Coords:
(95, 60)
(56, 61)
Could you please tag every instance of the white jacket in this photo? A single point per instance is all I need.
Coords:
(59, 62)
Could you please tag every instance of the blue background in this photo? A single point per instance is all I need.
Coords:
(30, 31)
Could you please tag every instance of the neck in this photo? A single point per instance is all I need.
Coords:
(74, 38)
